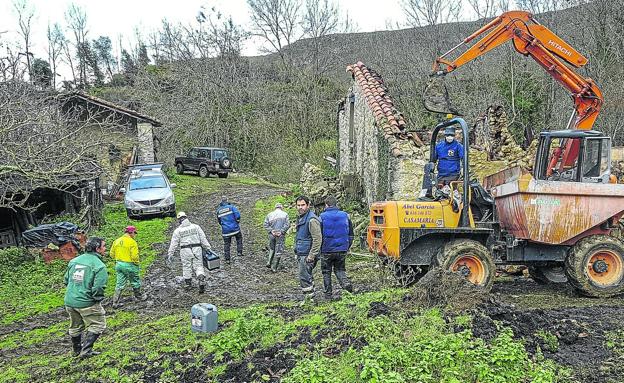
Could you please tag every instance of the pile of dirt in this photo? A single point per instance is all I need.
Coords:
(442, 288)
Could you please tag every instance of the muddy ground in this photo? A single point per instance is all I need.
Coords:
(552, 319)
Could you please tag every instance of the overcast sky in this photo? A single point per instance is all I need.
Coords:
(120, 18)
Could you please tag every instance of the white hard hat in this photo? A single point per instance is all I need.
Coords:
(181, 214)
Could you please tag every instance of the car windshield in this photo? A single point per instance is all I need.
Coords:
(218, 154)
(147, 183)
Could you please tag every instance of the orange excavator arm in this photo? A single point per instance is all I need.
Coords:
(530, 38)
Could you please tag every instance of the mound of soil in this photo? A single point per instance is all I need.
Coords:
(442, 288)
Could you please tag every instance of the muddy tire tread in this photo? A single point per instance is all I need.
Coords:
(576, 261)
(451, 250)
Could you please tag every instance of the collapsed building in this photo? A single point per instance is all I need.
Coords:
(384, 159)
(78, 191)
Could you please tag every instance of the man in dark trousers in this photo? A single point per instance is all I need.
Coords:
(337, 239)
(307, 244)
(449, 154)
(86, 278)
(229, 219)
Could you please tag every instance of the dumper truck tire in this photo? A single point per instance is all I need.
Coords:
(595, 266)
(470, 259)
(545, 275)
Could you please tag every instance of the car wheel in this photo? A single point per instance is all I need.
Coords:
(223, 175)
(179, 168)
(203, 172)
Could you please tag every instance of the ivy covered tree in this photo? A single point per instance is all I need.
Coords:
(42, 73)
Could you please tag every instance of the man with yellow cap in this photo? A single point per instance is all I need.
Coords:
(126, 252)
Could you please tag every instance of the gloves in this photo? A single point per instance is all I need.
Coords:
(310, 258)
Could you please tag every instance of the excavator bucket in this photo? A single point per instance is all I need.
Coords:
(436, 97)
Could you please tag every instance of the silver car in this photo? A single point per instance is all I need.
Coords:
(148, 192)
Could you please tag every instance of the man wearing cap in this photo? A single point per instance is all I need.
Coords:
(229, 219)
(448, 154)
(276, 224)
(190, 239)
(86, 279)
(125, 252)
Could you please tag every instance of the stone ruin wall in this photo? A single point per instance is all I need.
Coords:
(359, 154)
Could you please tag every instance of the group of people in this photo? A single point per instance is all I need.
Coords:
(327, 237)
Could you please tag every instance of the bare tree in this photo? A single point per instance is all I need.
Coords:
(431, 12)
(56, 41)
(77, 19)
(319, 19)
(276, 22)
(484, 8)
(25, 13)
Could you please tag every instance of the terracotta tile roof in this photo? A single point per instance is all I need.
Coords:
(109, 105)
(388, 118)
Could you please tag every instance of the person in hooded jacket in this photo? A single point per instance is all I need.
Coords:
(229, 219)
(337, 232)
(190, 239)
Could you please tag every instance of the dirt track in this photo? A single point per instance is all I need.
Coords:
(245, 281)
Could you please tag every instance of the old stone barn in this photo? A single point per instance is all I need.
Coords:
(375, 149)
(123, 137)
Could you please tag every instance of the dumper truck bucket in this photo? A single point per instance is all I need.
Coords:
(436, 96)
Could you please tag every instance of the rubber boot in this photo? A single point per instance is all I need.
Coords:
(202, 283)
(76, 344)
(139, 295)
(275, 265)
(188, 284)
(270, 259)
(87, 345)
(117, 299)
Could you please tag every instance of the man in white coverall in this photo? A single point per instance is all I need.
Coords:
(190, 239)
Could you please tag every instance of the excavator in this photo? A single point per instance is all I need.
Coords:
(557, 220)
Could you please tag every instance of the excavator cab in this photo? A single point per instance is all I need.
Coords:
(573, 156)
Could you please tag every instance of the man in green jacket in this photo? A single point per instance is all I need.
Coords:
(86, 278)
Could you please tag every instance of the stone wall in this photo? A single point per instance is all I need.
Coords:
(145, 142)
(358, 144)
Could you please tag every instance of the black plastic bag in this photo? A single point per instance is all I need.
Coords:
(56, 233)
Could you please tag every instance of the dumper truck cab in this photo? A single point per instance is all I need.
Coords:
(557, 221)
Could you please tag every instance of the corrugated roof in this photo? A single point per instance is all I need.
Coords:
(109, 105)
(388, 118)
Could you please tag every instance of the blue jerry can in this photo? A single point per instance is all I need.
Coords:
(203, 317)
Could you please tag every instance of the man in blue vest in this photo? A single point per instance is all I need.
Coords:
(307, 244)
(448, 154)
(337, 239)
(229, 218)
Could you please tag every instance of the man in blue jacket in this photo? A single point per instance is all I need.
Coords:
(229, 219)
(449, 154)
(337, 232)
